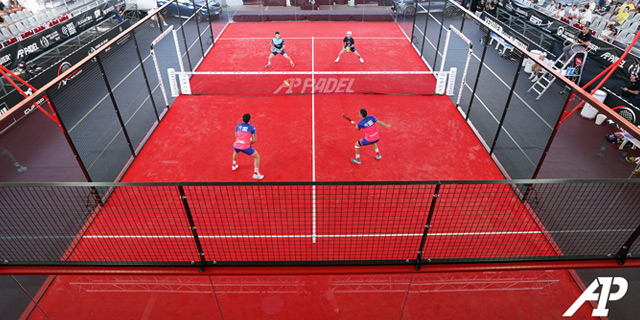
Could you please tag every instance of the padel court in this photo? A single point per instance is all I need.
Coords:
(302, 138)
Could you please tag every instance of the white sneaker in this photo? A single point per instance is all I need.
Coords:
(22, 169)
(533, 75)
(258, 176)
(292, 64)
(165, 24)
(378, 156)
(267, 65)
(356, 161)
(337, 59)
(361, 60)
(535, 79)
(234, 167)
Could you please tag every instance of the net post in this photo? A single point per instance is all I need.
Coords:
(144, 74)
(157, 66)
(446, 48)
(115, 106)
(192, 226)
(427, 226)
(506, 107)
(475, 85)
(463, 80)
(177, 44)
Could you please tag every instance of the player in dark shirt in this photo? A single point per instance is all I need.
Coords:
(582, 43)
(347, 46)
(630, 91)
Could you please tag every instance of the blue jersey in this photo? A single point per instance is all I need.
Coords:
(368, 125)
(277, 43)
(245, 133)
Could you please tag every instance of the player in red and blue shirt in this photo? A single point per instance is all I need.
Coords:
(277, 47)
(368, 125)
(245, 137)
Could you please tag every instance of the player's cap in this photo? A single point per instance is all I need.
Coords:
(348, 33)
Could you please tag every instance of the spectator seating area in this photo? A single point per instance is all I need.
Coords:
(598, 23)
(23, 24)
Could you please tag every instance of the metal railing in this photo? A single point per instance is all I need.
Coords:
(320, 223)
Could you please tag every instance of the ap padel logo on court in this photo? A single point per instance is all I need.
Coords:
(603, 297)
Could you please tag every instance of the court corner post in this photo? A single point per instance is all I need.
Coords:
(427, 226)
(192, 226)
(623, 253)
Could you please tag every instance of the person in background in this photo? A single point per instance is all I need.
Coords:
(608, 34)
(492, 7)
(592, 5)
(480, 8)
(632, 89)
(549, 9)
(119, 13)
(9, 155)
(620, 18)
(586, 16)
(583, 39)
(558, 12)
(574, 13)
(537, 69)
(629, 4)
(605, 8)
(156, 17)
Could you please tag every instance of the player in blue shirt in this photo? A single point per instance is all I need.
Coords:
(245, 137)
(277, 47)
(368, 126)
(348, 46)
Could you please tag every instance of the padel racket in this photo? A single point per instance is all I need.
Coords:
(345, 116)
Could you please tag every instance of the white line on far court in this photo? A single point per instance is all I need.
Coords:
(318, 38)
(313, 138)
(297, 236)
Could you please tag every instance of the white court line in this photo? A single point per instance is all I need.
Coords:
(313, 137)
(300, 72)
(297, 236)
(321, 38)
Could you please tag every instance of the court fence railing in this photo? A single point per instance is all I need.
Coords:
(318, 223)
(515, 124)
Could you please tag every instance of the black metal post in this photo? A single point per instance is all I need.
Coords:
(184, 37)
(64, 130)
(213, 36)
(144, 74)
(621, 256)
(435, 60)
(115, 105)
(157, 14)
(187, 211)
(196, 18)
(413, 25)
(424, 31)
(506, 107)
(464, 16)
(427, 226)
(553, 136)
(475, 85)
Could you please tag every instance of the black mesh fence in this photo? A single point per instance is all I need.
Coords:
(318, 223)
(111, 104)
(513, 105)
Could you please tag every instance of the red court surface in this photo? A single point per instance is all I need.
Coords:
(479, 295)
(301, 137)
